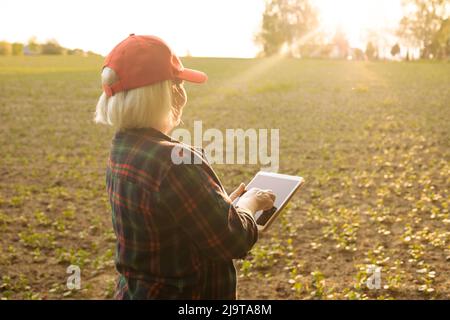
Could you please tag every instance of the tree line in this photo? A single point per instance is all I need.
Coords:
(33, 47)
(293, 26)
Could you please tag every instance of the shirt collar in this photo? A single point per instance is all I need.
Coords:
(152, 132)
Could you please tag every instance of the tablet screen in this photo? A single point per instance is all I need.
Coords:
(282, 185)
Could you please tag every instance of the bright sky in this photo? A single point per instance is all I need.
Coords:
(202, 27)
(357, 17)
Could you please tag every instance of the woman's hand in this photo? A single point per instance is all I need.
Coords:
(256, 199)
(238, 192)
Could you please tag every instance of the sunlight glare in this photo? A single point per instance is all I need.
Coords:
(358, 17)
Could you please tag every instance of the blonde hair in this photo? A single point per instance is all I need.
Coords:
(157, 105)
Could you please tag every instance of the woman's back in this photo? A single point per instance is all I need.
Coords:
(163, 252)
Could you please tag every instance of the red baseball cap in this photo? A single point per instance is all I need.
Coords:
(144, 60)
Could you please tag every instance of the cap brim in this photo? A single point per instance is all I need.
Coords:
(192, 76)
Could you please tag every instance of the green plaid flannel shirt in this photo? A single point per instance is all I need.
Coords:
(177, 230)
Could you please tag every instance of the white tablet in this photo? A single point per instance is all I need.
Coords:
(284, 187)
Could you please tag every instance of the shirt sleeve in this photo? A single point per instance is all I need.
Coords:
(206, 213)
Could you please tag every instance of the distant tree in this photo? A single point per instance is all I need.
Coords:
(358, 54)
(5, 48)
(441, 41)
(381, 39)
(33, 47)
(421, 24)
(289, 23)
(52, 47)
(371, 51)
(75, 52)
(92, 54)
(341, 42)
(17, 49)
(395, 50)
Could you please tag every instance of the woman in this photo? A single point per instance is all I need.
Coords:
(177, 229)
